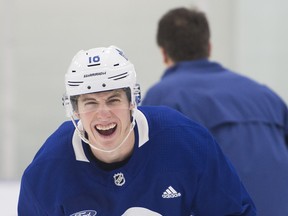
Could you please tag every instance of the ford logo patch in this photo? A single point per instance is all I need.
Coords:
(85, 213)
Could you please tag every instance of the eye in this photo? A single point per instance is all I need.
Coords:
(90, 103)
(114, 100)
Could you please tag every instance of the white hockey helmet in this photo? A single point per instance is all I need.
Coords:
(97, 70)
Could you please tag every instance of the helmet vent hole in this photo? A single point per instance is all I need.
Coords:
(88, 87)
(116, 65)
(73, 71)
(103, 85)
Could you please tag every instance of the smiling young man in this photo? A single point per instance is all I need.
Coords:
(113, 158)
(106, 118)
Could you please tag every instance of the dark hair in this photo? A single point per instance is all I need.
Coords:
(184, 34)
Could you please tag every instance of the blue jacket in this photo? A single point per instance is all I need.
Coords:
(248, 120)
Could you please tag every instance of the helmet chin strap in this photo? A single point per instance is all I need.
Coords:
(84, 139)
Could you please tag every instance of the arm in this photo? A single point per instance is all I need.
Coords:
(286, 128)
(27, 204)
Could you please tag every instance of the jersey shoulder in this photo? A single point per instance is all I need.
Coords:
(160, 117)
(173, 135)
(58, 146)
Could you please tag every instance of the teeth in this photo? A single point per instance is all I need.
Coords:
(106, 127)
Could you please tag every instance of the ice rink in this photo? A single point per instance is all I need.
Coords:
(9, 191)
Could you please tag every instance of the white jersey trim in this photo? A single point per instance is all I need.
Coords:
(143, 128)
(78, 148)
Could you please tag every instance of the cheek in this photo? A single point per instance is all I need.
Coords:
(123, 116)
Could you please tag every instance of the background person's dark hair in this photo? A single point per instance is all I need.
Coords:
(184, 34)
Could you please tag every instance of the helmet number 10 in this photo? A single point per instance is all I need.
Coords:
(94, 59)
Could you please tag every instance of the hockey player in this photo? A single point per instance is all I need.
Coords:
(113, 158)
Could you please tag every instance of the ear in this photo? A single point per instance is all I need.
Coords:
(132, 106)
(209, 49)
(166, 59)
(77, 115)
(164, 55)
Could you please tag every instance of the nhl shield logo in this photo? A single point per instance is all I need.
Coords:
(119, 179)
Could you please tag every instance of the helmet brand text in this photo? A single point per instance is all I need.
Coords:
(94, 74)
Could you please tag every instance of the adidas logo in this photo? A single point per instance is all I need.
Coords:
(170, 193)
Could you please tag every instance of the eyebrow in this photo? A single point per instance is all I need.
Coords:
(87, 97)
(115, 94)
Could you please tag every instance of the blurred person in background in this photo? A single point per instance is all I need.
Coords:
(248, 120)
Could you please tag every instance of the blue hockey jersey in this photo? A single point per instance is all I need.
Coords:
(176, 169)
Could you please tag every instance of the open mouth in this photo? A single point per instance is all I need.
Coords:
(106, 130)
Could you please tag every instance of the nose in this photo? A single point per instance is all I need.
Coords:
(103, 112)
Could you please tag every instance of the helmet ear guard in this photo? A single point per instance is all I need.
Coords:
(67, 105)
(137, 94)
